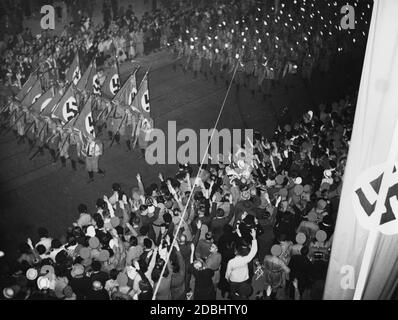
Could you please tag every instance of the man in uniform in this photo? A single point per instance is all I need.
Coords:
(117, 127)
(92, 151)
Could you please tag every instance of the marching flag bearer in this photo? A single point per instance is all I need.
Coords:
(93, 150)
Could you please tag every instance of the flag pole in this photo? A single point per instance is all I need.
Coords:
(118, 129)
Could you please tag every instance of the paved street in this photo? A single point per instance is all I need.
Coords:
(40, 193)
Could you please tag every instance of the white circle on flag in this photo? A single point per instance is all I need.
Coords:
(76, 75)
(44, 104)
(70, 109)
(114, 84)
(36, 98)
(145, 101)
(96, 84)
(89, 124)
(365, 198)
(132, 95)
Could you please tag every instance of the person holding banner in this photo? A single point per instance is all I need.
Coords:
(129, 128)
(30, 131)
(20, 123)
(117, 126)
(53, 141)
(75, 149)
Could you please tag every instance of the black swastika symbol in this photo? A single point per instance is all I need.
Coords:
(369, 207)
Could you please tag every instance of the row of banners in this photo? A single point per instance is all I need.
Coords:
(65, 107)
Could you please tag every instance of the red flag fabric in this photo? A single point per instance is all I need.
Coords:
(74, 72)
(127, 93)
(43, 101)
(84, 121)
(27, 86)
(85, 79)
(92, 84)
(67, 107)
(48, 109)
(142, 98)
(33, 94)
(364, 259)
(111, 84)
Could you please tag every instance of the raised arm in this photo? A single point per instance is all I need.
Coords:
(140, 184)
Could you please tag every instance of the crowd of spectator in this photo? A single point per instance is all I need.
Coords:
(217, 239)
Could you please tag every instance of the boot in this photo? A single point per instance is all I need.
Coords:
(90, 177)
(41, 151)
(21, 140)
(101, 172)
(128, 144)
(142, 155)
(73, 163)
(52, 153)
(253, 93)
(117, 138)
(195, 74)
(63, 161)
(110, 135)
(215, 79)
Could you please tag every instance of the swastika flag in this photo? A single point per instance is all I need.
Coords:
(142, 99)
(363, 263)
(67, 107)
(85, 121)
(111, 85)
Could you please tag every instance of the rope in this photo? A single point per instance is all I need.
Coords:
(191, 193)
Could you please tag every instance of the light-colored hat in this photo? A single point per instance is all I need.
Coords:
(90, 231)
(327, 174)
(241, 164)
(321, 235)
(325, 186)
(31, 274)
(8, 293)
(298, 189)
(85, 253)
(321, 204)
(301, 238)
(245, 195)
(122, 279)
(115, 221)
(312, 217)
(276, 250)
(94, 242)
(43, 283)
(151, 209)
(103, 255)
(279, 179)
(283, 192)
(298, 180)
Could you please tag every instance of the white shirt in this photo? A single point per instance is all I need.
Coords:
(237, 269)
